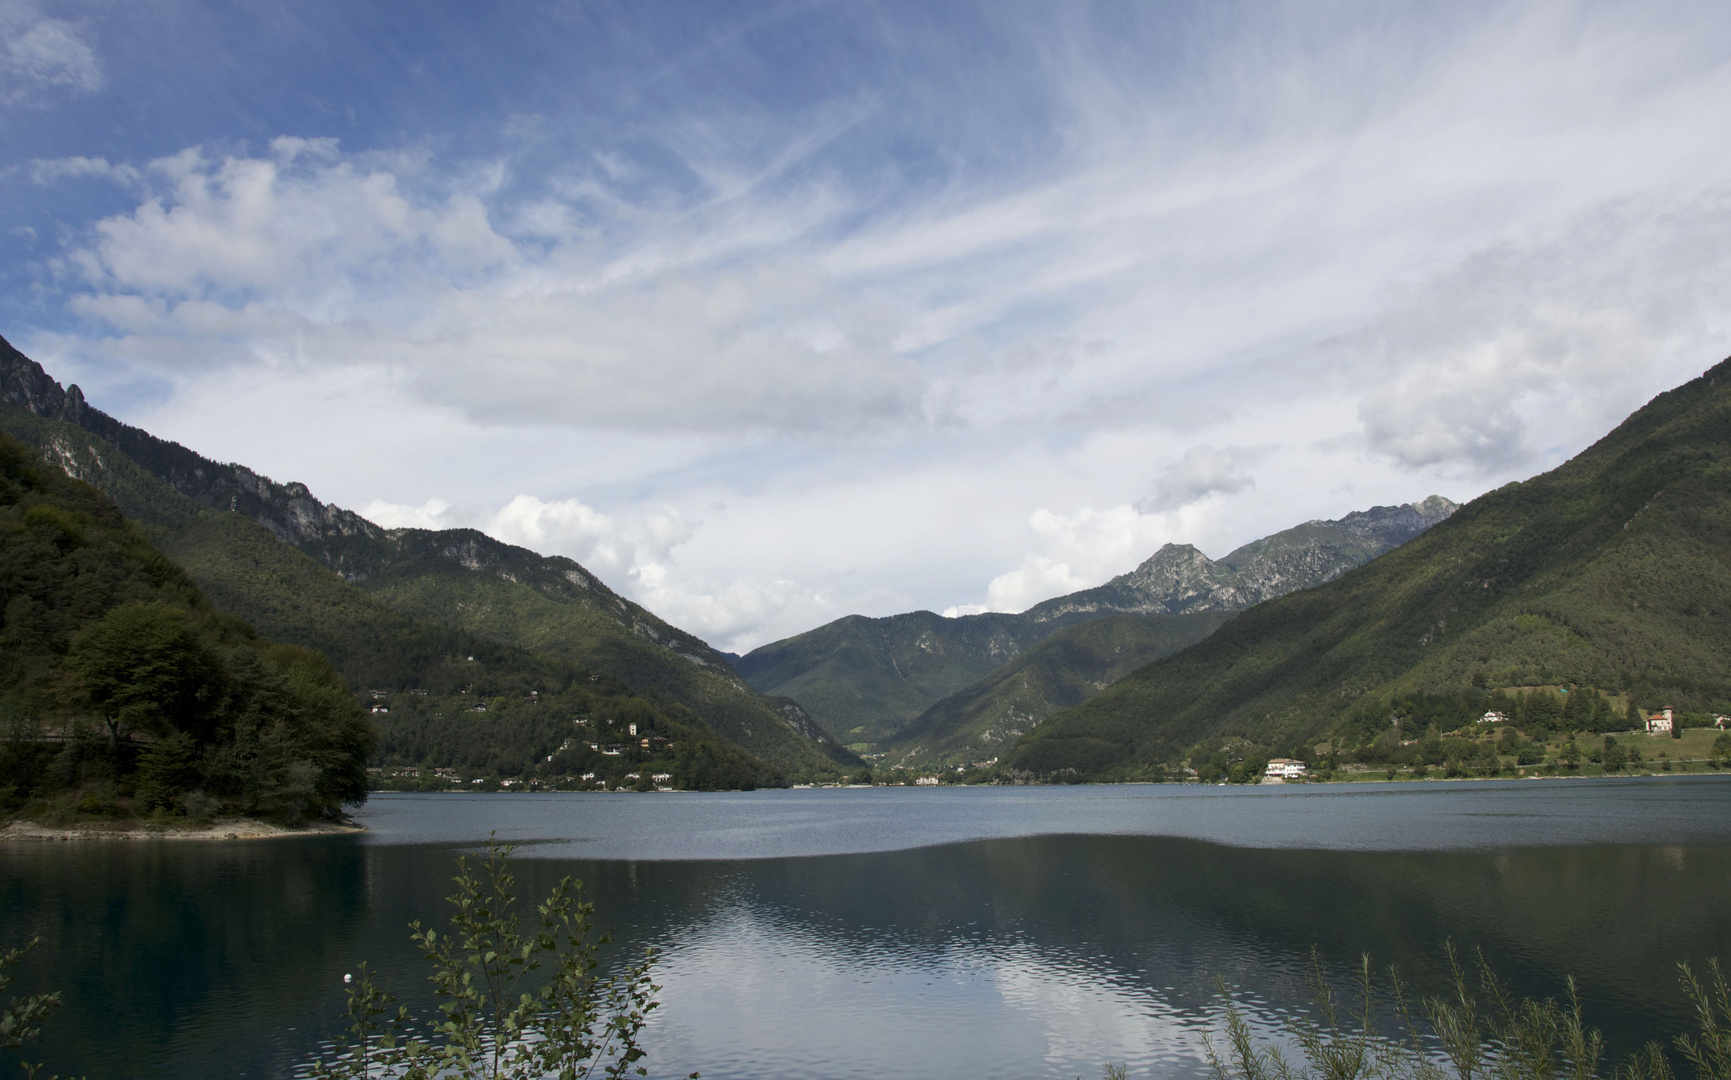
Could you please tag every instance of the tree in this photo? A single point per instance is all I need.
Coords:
(1570, 754)
(167, 770)
(1615, 755)
(144, 669)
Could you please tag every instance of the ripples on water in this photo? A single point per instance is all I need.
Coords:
(988, 932)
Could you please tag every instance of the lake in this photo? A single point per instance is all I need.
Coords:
(1029, 931)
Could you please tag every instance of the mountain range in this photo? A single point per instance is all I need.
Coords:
(1611, 572)
(390, 600)
(921, 688)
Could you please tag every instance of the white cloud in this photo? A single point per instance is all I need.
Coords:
(639, 545)
(432, 514)
(1202, 471)
(1427, 252)
(40, 54)
(331, 260)
(1077, 551)
(49, 170)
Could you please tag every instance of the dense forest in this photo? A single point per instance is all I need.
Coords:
(122, 690)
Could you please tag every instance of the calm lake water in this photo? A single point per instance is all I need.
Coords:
(1002, 932)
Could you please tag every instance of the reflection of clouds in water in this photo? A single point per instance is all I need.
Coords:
(1086, 1016)
(754, 994)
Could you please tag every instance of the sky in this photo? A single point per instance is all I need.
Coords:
(771, 313)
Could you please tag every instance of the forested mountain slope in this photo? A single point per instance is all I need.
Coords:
(980, 722)
(445, 581)
(865, 680)
(120, 683)
(1611, 572)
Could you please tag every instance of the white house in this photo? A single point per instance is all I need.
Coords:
(927, 781)
(1284, 768)
(1659, 721)
(1494, 718)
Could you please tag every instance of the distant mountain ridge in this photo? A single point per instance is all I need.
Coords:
(457, 578)
(1178, 578)
(1610, 572)
(980, 721)
(866, 680)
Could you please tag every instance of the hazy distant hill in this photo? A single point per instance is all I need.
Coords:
(1612, 571)
(453, 580)
(866, 680)
(981, 721)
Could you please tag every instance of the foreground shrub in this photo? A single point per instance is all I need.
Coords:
(576, 1023)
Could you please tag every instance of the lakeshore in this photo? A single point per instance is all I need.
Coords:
(219, 829)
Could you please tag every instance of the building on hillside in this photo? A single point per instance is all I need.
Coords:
(1719, 721)
(1660, 721)
(1494, 718)
(926, 781)
(1283, 769)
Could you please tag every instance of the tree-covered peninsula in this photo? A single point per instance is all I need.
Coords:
(124, 692)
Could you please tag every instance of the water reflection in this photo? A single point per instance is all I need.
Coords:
(1041, 955)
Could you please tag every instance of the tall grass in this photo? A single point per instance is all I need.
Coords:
(1474, 1032)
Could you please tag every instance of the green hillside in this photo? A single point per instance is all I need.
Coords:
(981, 721)
(1611, 572)
(123, 690)
(394, 595)
(865, 680)
(430, 678)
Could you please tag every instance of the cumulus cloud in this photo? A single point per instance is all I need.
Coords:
(1202, 471)
(42, 55)
(433, 514)
(1075, 551)
(312, 257)
(639, 545)
(1424, 252)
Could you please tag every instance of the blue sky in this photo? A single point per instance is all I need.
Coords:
(770, 313)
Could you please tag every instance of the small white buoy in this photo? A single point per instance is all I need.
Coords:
(348, 978)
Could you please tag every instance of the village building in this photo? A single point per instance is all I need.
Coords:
(1660, 721)
(1282, 769)
(1494, 718)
